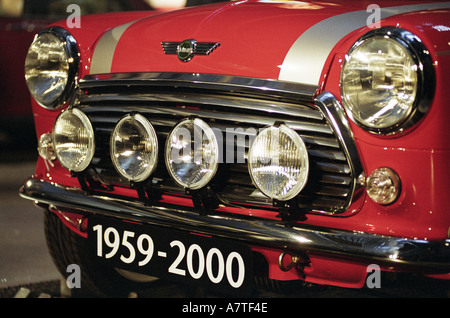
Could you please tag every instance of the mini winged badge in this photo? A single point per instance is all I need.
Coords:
(186, 49)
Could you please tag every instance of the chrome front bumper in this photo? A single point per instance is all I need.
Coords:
(416, 255)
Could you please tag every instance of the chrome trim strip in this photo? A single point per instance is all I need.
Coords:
(306, 58)
(431, 256)
(336, 115)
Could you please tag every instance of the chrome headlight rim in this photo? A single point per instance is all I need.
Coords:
(214, 165)
(426, 79)
(71, 48)
(150, 131)
(303, 157)
(90, 146)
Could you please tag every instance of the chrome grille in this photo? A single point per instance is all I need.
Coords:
(165, 102)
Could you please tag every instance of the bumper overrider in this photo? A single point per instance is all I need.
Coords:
(430, 257)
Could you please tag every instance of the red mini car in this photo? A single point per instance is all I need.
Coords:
(243, 144)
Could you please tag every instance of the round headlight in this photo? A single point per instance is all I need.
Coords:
(192, 153)
(51, 67)
(134, 148)
(278, 162)
(382, 80)
(73, 138)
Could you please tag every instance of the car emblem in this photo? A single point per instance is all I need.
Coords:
(186, 49)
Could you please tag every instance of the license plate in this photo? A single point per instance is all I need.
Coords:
(171, 254)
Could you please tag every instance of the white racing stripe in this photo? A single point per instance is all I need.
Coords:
(306, 58)
(104, 51)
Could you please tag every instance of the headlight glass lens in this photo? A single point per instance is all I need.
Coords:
(134, 148)
(278, 162)
(383, 186)
(48, 69)
(73, 138)
(379, 83)
(192, 153)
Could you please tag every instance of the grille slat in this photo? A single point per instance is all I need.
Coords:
(330, 183)
(197, 99)
(222, 116)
